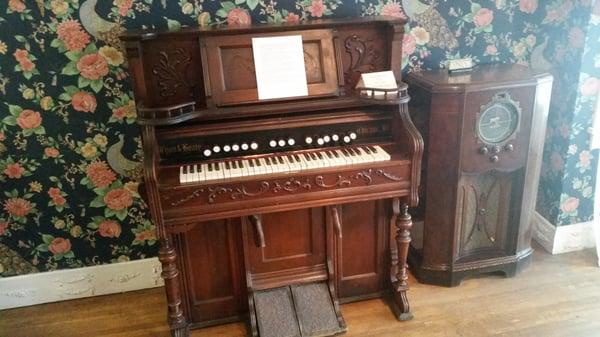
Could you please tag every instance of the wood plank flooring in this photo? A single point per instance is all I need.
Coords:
(558, 296)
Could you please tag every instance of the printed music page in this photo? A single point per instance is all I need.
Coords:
(279, 63)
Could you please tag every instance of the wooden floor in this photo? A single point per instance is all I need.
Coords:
(558, 296)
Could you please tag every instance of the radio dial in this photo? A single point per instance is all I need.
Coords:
(291, 142)
(308, 140)
(326, 139)
(207, 153)
(226, 148)
(347, 139)
(320, 141)
(216, 149)
(281, 142)
(244, 146)
(254, 145)
(352, 135)
(273, 143)
(235, 147)
(335, 137)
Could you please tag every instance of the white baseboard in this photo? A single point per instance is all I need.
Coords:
(67, 284)
(563, 239)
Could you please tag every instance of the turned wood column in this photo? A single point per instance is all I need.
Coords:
(402, 222)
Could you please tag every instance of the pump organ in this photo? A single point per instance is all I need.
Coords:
(255, 198)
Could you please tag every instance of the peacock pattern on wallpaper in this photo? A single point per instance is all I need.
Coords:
(70, 149)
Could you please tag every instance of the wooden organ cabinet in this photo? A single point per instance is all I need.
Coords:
(484, 135)
(278, 209)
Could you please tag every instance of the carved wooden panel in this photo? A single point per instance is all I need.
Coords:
(364, 51)
(292, 239)
(214, 270)
(483, 212)
(232, 73)
(363, 230)
(172, 73)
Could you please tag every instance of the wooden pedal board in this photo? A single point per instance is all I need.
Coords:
(304, 310)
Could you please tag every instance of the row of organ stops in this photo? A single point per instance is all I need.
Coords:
(308, 140)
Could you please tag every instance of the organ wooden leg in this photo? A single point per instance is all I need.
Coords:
(170, 273)
(399, 270)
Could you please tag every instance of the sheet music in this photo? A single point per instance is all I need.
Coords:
(380, 80)
(279, 63)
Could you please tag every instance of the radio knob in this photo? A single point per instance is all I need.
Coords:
(281, 142)
(273, 143)
(254, 145)
(308, 140)
(335, 137)
(494, 159)
(320, 141)
(352, 135)
(226, 148)
(291, 141)
(207, 153)
(484, 150)
(326, 139)
(347, 139)
(245, 146)
(509, 147)
(216, 149)
(496, 149)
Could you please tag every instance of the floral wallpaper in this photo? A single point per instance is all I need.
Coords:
(70, 149)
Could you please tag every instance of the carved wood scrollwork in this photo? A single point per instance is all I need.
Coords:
(291, 185)
(171, 71)
(362, 56)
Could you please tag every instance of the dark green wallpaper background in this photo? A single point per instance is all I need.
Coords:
(69, 146)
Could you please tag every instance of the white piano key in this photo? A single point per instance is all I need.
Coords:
(181, 175)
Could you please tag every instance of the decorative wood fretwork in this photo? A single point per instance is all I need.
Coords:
(170, 73)
(362, 56)
(290, 185)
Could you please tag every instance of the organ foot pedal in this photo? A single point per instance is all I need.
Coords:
(305, 310)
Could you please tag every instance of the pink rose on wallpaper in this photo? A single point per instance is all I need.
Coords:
(72, 35)
(51, 152)
(29, 119)
(109, 229)
(57, 198)
(27, 65)
(238, 16)
(145, 235)
(14, 171)
(317, 8)
(83, 101)
(92, 66)
(100, 174)
(124, 6)
(393, 9)
(491, 50)
(556, 161)
(292, 18)
(17, 207)
(59, 246)
(483, 17)
(585, 159)
(118, 199)
(590, 86)
(409, 44)
(528, 6)
(569, 205)
(576, 37)
(3, 227)
(16, 6)
(21, 54)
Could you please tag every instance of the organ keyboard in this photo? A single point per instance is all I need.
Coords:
(293, 196)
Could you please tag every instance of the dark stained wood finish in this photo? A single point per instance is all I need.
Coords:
(221, 241)
(463, 188)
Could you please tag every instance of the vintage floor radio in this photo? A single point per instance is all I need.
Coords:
(484, 135)
(276, 209)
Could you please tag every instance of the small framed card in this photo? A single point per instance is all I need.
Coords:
(378, 80)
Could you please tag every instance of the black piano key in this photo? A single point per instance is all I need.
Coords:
(291, 159)
(234, 164)
(269, 162)
(227, 166)
(210, 167)
(280, 160)
(251, 162)
(241, 164)
(258, 163)
(320, 155)
(297, 158)
(217, 167)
